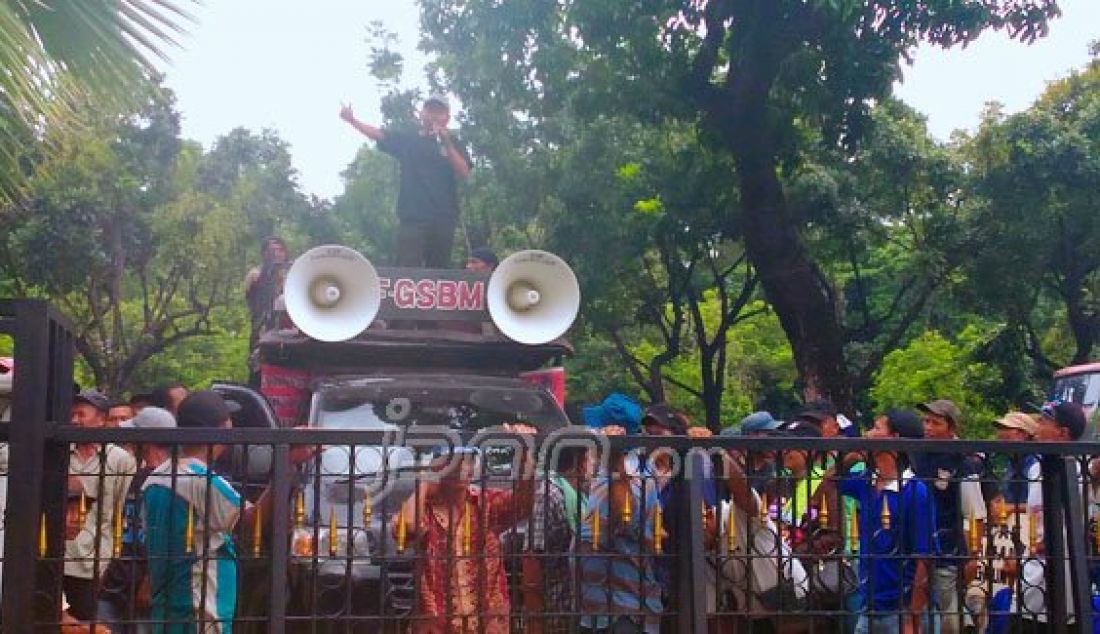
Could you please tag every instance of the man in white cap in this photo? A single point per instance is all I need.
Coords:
(432, 161)
(123, 597)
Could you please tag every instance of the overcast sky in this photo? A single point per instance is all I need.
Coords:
(287, 65)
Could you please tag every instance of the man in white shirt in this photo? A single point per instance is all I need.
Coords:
(99, 477)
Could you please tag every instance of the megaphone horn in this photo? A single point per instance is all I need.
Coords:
(533, 297)
(332, 293)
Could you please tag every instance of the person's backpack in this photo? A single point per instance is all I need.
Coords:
(768, 576)
(125, 581)
(829, 572)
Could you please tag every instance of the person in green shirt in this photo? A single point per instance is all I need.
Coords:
(803, 473)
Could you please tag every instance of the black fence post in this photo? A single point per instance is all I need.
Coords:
(1054, 540)
(1077, 539)
(41, 394)
(692, 555)
(280, 537)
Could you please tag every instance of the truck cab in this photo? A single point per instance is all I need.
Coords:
(414, 389)
(1080, 384)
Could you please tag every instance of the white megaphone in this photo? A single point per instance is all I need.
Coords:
(332, 293)
(533, 297)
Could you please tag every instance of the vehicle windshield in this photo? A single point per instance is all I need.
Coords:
(391, 406)
(1083, 389)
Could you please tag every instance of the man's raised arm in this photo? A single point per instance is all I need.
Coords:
(375, 134)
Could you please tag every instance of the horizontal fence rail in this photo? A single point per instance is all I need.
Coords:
(433, 530)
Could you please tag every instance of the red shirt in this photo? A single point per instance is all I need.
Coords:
(461, 561)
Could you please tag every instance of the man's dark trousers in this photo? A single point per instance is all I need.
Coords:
(425, 243)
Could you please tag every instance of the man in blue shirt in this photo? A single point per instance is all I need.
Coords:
(893, 546)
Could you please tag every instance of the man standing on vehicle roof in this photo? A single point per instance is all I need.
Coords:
(432, 160)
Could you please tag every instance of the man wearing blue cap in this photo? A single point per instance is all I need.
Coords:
(758, 423)
(620, 591)
(432, 160)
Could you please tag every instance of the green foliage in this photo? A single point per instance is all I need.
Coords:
(933, 367)
(143, 241)
(757, 80)
(66, 61)
(760, 373)
(1038, 172)
(364, 215)
(197, 362)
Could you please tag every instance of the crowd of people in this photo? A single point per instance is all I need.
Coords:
(937, 541)
(878, 541)
(875, 541)
(149, 528)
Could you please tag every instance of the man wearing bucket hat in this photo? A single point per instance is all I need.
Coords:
(620, 591)
(617, 414)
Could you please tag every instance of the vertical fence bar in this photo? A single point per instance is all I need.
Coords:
(280, 536)
(1054, 541)
(34, 464)
(1077, 538)
(58, 392)
(692, 616)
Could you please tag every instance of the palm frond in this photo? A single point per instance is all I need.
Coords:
(62, 60)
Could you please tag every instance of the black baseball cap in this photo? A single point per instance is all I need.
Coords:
(203, 409)
(813, 416)
(665, 416)
(905, 423)
(486, 255)
(95, 398)
(1066, 414)
(798, 429)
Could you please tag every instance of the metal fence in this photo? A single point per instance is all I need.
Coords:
(413, 530)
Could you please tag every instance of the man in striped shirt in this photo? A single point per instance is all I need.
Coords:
(619, 587)
(190, 514)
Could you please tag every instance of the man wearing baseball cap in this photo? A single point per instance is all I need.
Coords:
(893, 573)
(183, 487)
(118, 596)
(432, 161)
(98, 479)
(1059, 421)
(482, 260)
(756, 423)
(1016, 427)
(954, 484)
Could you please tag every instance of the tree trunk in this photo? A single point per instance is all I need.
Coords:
(712, 371)
(794, 286)
(792, 282)
(1082, 324)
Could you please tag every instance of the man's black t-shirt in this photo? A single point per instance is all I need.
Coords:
(942, 473)
(429, 188)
